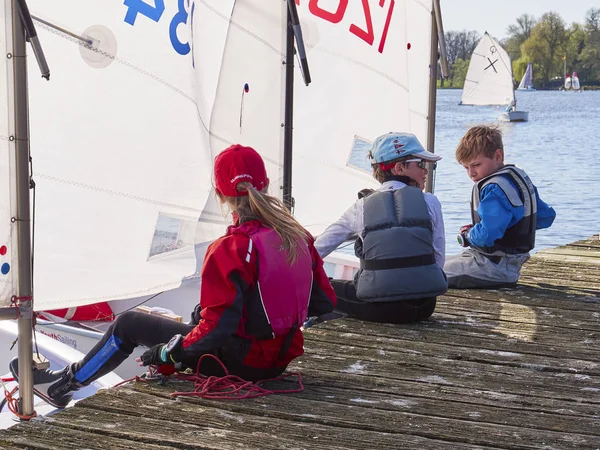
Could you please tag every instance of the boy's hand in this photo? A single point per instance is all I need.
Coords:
(465, 229)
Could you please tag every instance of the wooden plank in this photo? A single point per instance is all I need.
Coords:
(571, 259)
(504, 309)
(333, 404)
(552, 362)
(527, 295)
(253, 423)
(389, 422)
(389, 389)
(456, 372)
(448, 328)
(47, 436)
(570, 251)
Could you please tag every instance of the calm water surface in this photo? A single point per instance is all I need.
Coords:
(559, 148)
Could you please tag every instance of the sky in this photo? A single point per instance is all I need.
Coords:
(495, 16)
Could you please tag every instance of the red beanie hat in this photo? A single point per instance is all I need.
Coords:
(236, 164)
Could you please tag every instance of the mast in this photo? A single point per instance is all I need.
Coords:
(293, 33)
(565, 71)
(437, 41)
(23, 30)
(288, 131)
(23, 223)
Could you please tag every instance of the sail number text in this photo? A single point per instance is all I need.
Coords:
(365, 30)
(154, 9)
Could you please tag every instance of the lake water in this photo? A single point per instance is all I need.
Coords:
(559, 148)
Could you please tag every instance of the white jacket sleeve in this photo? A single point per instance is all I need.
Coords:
(348, 225)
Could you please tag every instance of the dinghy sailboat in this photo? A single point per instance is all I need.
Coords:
(527, 80)
(145, 94)
(489, 80)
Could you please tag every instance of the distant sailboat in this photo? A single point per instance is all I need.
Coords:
(489, 80)
(527, 80)
(572, 82)
(568, 82)
(575, 82)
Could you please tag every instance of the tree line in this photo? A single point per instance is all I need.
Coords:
(548, 43)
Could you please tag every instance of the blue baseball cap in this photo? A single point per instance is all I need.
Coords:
(392, 146)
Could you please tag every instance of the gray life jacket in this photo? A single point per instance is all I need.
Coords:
(397, 258)
(520, 238)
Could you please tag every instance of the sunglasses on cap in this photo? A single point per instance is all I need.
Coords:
(422, 164)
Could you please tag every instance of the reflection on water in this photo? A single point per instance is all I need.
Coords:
(559, 148)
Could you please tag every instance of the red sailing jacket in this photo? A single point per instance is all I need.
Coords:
(230, 300)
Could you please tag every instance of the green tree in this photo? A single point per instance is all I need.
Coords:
(546, 46)
(590, 55)
(460, 72)
(517, 34)
(459, 47)
(574, 46)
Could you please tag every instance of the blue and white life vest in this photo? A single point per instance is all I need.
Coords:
(520, 238)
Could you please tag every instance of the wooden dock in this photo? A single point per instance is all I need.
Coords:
(509, 369)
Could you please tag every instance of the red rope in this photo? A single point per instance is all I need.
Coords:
(231, 387)
(13, 402)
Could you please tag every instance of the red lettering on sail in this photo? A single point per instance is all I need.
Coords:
(335, 17)
(368, 36)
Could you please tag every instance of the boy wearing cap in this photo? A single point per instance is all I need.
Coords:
(506, 211)
(256, 280)
(400, 244)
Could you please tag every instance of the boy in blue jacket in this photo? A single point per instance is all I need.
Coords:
(506, 211)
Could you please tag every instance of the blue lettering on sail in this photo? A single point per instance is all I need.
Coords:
(139, 6)
(179, 18)
(155, 13)
(192, 32)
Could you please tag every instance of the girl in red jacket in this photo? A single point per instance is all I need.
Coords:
(260, 281)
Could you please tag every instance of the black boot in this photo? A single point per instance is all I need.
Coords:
(54, 386)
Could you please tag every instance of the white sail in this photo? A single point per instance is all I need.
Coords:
(575, 81)
(250, 82)
(489, 78)
(568, 82)
(527, 80)
(124, 134)
(118, 139)
(8, 254)
(370, 74)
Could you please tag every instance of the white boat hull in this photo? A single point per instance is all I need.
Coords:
(514, 116)
(59, 356)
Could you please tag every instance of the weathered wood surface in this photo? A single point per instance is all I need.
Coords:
(511, 368)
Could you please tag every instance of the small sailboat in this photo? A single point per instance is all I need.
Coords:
(527, 80)
(575, 82)
(489, 80)
(568, 84)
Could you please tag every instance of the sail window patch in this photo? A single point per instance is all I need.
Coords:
(5, 268)
(172, 233)
(358, 157)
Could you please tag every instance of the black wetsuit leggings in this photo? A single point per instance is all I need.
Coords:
(131, 329)
(405, 311)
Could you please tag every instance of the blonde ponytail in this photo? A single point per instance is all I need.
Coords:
(272, 213)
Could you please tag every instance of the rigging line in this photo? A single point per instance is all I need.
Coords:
(62, 30)
(117, 193)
